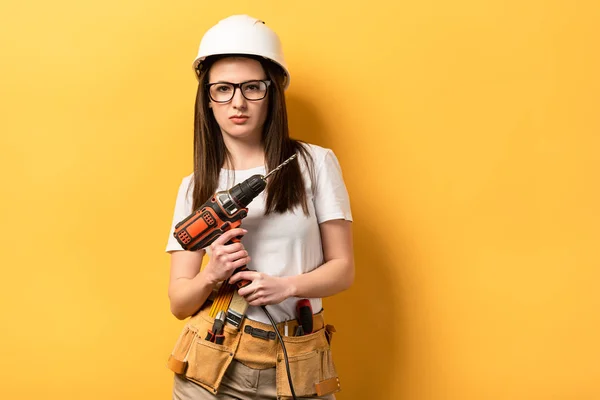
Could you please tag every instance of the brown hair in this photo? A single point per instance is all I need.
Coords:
(286, 188)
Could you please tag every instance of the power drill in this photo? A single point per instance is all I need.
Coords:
(222, 212)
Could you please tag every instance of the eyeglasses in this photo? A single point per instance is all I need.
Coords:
(223, 92)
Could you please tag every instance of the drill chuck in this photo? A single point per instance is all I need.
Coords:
(243, 193)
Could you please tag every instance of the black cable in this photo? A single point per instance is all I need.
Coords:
(287, 364)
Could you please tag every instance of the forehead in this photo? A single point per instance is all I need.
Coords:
(236, 69)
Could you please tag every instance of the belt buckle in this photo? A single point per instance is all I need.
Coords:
(259, 333)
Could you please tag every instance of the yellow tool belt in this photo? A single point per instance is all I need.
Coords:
(256, 345)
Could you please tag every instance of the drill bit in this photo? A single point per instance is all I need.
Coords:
(279, 166)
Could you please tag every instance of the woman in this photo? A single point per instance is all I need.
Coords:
(297, 240)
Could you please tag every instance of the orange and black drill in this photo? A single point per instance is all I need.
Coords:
(222, 212)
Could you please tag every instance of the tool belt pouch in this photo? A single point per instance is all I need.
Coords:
(311, 365)
(177, 361)
(199, 360)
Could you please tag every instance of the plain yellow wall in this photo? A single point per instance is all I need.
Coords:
(468, 132)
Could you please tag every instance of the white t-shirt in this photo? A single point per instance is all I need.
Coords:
(282, 244)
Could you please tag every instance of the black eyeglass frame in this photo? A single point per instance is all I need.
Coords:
(237, 86)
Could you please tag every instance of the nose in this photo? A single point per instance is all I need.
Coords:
(238, 101)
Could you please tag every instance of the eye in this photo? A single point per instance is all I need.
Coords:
(253, 86)
(222, 88)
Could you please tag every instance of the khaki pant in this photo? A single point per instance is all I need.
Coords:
(240, 382)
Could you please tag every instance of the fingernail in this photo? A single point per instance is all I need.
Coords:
(245, 231)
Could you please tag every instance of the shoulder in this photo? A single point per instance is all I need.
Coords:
(186, 184)
(188, 180)
(317, 153)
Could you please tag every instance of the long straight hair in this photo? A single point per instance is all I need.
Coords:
(286, 188)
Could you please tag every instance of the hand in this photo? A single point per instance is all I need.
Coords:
(264, 289)
(224, 258)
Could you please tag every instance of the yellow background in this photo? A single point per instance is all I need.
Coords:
(468, 132)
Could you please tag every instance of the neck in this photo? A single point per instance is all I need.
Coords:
(245, 153)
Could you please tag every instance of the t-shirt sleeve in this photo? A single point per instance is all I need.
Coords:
(331, 196)
(183, 208)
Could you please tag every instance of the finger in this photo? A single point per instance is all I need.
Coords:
(248, 292)
(225, 253)
(227, 236)
(254, 296)
(257, 301)
(244, 275)
(233, 248)
(247, 289)
(237, 263)
(238, 255)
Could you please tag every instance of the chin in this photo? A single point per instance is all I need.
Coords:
(241, 131)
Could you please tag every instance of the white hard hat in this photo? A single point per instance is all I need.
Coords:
(242, 34)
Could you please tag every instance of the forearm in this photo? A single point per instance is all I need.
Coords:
(187, 295)
(330, 278)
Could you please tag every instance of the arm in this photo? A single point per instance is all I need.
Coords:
(189, 287)
(335, 275)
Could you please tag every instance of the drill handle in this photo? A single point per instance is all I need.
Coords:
(240, 284)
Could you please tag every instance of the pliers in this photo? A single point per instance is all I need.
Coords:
(215, 334)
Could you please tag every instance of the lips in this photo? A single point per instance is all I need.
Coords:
(238, 119)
